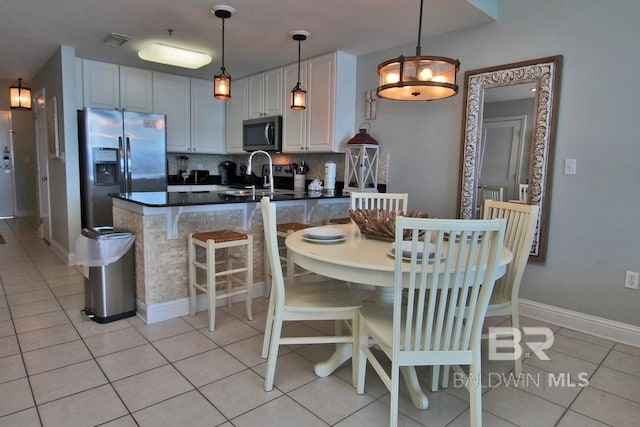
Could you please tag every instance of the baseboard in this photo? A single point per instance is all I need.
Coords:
(177, 308)
(592, 325)
(62, 253)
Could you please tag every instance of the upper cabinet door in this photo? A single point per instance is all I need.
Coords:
(265, 94)
(237, 111)
(207, 119)
(294, 134)
(256, 96)
(101, 84)
(136, 90)
(171, 96)
(273, 92)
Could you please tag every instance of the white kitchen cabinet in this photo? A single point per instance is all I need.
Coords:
(207, 119)
(328, 121)
(294, 122)
(100, 84)
(112, 86)
(136, 90)
(265, 94)
(171, 96)
(237, 109)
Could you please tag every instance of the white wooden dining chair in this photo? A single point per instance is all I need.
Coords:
(521, 227)
(387, 201)
(431, 327)
(307, 301)
(523, 194)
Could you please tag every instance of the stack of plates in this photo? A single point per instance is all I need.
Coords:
(324, 235)
(406, 250)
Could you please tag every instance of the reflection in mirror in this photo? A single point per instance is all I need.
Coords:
(507, 140)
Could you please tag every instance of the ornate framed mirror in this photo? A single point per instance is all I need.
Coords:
(508, 133)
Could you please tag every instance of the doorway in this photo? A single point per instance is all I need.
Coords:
(43, 166)
(503, 155)
(7, 174)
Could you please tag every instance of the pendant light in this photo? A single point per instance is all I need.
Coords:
(222, 81)
(418, 78)
(20, 97)
(298, 94)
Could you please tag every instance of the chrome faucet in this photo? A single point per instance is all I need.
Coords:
(270, 167)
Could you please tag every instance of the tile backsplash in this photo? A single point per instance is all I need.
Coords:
(315, 162)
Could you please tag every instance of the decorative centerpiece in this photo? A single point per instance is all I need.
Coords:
(377, 224)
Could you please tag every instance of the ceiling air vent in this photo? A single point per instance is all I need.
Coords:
(117, 40)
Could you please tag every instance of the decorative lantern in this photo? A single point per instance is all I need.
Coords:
(361, 163)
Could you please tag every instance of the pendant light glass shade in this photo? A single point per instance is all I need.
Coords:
(298, 94)
(222, 80)
(20, 97)
(418, 78)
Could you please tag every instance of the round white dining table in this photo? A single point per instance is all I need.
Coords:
(356, 259)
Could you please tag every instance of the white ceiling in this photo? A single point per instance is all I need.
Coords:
(256, 37)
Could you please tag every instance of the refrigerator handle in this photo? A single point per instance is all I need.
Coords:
(123, 166)
(129, 186)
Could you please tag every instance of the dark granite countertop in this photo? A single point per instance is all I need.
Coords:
(163, 199)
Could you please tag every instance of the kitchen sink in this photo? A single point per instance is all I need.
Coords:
(257, 191)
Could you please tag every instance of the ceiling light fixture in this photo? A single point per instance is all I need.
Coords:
(418, 78)
(222, 80)
(298, 94)
(178, 57)
(20, 97)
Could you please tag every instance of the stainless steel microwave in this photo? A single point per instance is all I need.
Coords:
(264, 133)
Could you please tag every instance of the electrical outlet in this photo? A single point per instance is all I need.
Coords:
(631, 279)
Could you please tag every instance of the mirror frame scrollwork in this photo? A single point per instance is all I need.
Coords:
(545, 73)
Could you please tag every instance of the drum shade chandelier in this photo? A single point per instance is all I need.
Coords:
(222, 80)
(20, 97)
(418, 78)
(298, 94)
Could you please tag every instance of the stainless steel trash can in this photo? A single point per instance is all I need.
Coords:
(109, 291)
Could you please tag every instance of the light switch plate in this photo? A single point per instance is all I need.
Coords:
(569, 166)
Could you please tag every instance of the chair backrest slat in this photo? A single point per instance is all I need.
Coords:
(447, 295)
(388, 201)
(521, 225)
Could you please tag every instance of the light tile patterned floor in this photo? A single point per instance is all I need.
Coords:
(58, 369)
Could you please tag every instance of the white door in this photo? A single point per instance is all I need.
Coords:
(7, 175)
(43, 165)
(502, 153)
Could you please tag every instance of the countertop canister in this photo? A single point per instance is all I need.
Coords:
(330, 175)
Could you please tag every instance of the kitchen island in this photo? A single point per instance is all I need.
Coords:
(163, 221)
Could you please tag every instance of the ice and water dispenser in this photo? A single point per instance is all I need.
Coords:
(105, 167)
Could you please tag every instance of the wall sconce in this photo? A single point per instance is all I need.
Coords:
(20, 97)
(371, 105)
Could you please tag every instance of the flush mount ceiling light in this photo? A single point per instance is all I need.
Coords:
(298, 94)
(20, 97)
(222, 80)
(178, 57)
(418, 78)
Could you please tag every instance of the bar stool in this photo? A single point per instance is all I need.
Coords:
(282, 231)
(223, 267)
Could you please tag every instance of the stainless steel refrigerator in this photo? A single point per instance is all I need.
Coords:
(120, 152)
